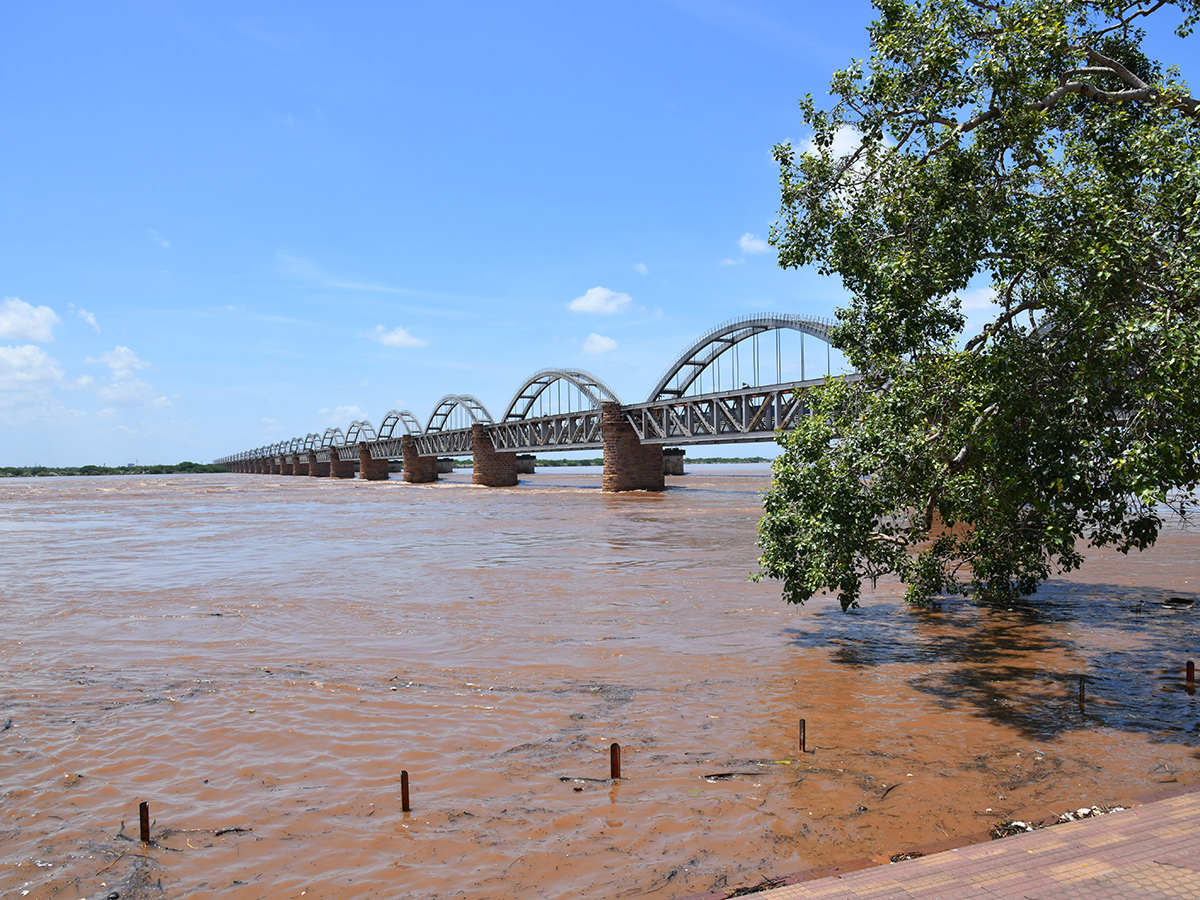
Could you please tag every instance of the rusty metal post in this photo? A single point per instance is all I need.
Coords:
(144, 821)
(802, 735)
(405, 806)
(614, 761)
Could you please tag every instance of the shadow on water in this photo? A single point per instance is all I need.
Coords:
(1022, 665)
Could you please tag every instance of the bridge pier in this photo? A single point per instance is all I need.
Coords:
(491, 468)
(629, 465)
(526, 464)
(285, 465)
(673, 461)
(299, 464)
(371, 469)
(338, 467)
(316, 468)
(417, 469)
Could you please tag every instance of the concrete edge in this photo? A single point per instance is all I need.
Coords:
(954, 843)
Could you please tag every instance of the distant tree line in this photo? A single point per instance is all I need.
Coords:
(183, 468)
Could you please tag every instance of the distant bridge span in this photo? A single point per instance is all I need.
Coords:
(713, 393)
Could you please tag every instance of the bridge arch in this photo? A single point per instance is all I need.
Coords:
(538, 388)
(360, 430)
(466, 404)
(682, 374)
(398, 417)
(333, 437)
(312, 441)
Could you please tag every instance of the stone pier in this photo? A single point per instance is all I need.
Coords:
(338, 467)
(629, 465)
(526, 464)
(445, 465)
(316, 468)
(285, 465)
(371, 469)
(673, 461)
(299, 463)
(273, 466)
(417, 469)
(491, 468)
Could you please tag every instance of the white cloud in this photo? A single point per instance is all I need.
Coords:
(341, 416)
(27, 365)
(641, 269)
(131, 392)
(123, 389)
(23, 322)
(732, 262)
(598, 343)
(397, 337)
(600, 300)
(983, 298)
(85, 315)
(845, 141)
(296, 267)
(979, 309)
(751, 243)
(158, 238)
(121, 360)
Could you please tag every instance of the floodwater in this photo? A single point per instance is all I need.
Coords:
(260, 657)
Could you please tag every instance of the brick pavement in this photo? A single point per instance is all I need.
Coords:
(1150, 851)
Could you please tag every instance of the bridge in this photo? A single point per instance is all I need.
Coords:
(713, 393)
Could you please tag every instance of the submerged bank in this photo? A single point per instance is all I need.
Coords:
(268, 654)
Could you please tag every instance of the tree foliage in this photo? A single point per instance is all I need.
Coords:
(1034, 146)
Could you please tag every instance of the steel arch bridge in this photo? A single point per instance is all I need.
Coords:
(705, 396)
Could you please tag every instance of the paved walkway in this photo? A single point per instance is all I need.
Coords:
(1150, 851)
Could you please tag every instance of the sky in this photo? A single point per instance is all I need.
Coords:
(229, 224)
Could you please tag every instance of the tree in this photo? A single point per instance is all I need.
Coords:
(1031, 145)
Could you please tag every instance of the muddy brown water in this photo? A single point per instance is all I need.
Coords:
(267, 654)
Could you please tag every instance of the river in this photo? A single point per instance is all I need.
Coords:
(260, 657)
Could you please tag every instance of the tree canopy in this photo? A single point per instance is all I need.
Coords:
(1031, 152)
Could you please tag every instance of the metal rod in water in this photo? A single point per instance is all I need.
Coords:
(614, 761)
(405, 806)
(144, 821)
(802, 736)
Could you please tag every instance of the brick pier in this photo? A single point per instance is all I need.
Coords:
(629, 465)
(338, 467)
(316, 468)
(491, 468)
(417, 469)
(371, 469)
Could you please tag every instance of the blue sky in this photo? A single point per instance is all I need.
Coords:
(230, 224)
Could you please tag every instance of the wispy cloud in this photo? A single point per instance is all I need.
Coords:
(600, 300)
(122, 361)
(85, 315)
(23, 322)
(341, 416)
(131, 392)
(397, 337)
(732, 262)
(595, 344)
(158, 238)
(295, 267)
(123, 388)
(641, 269)
(752, 243)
